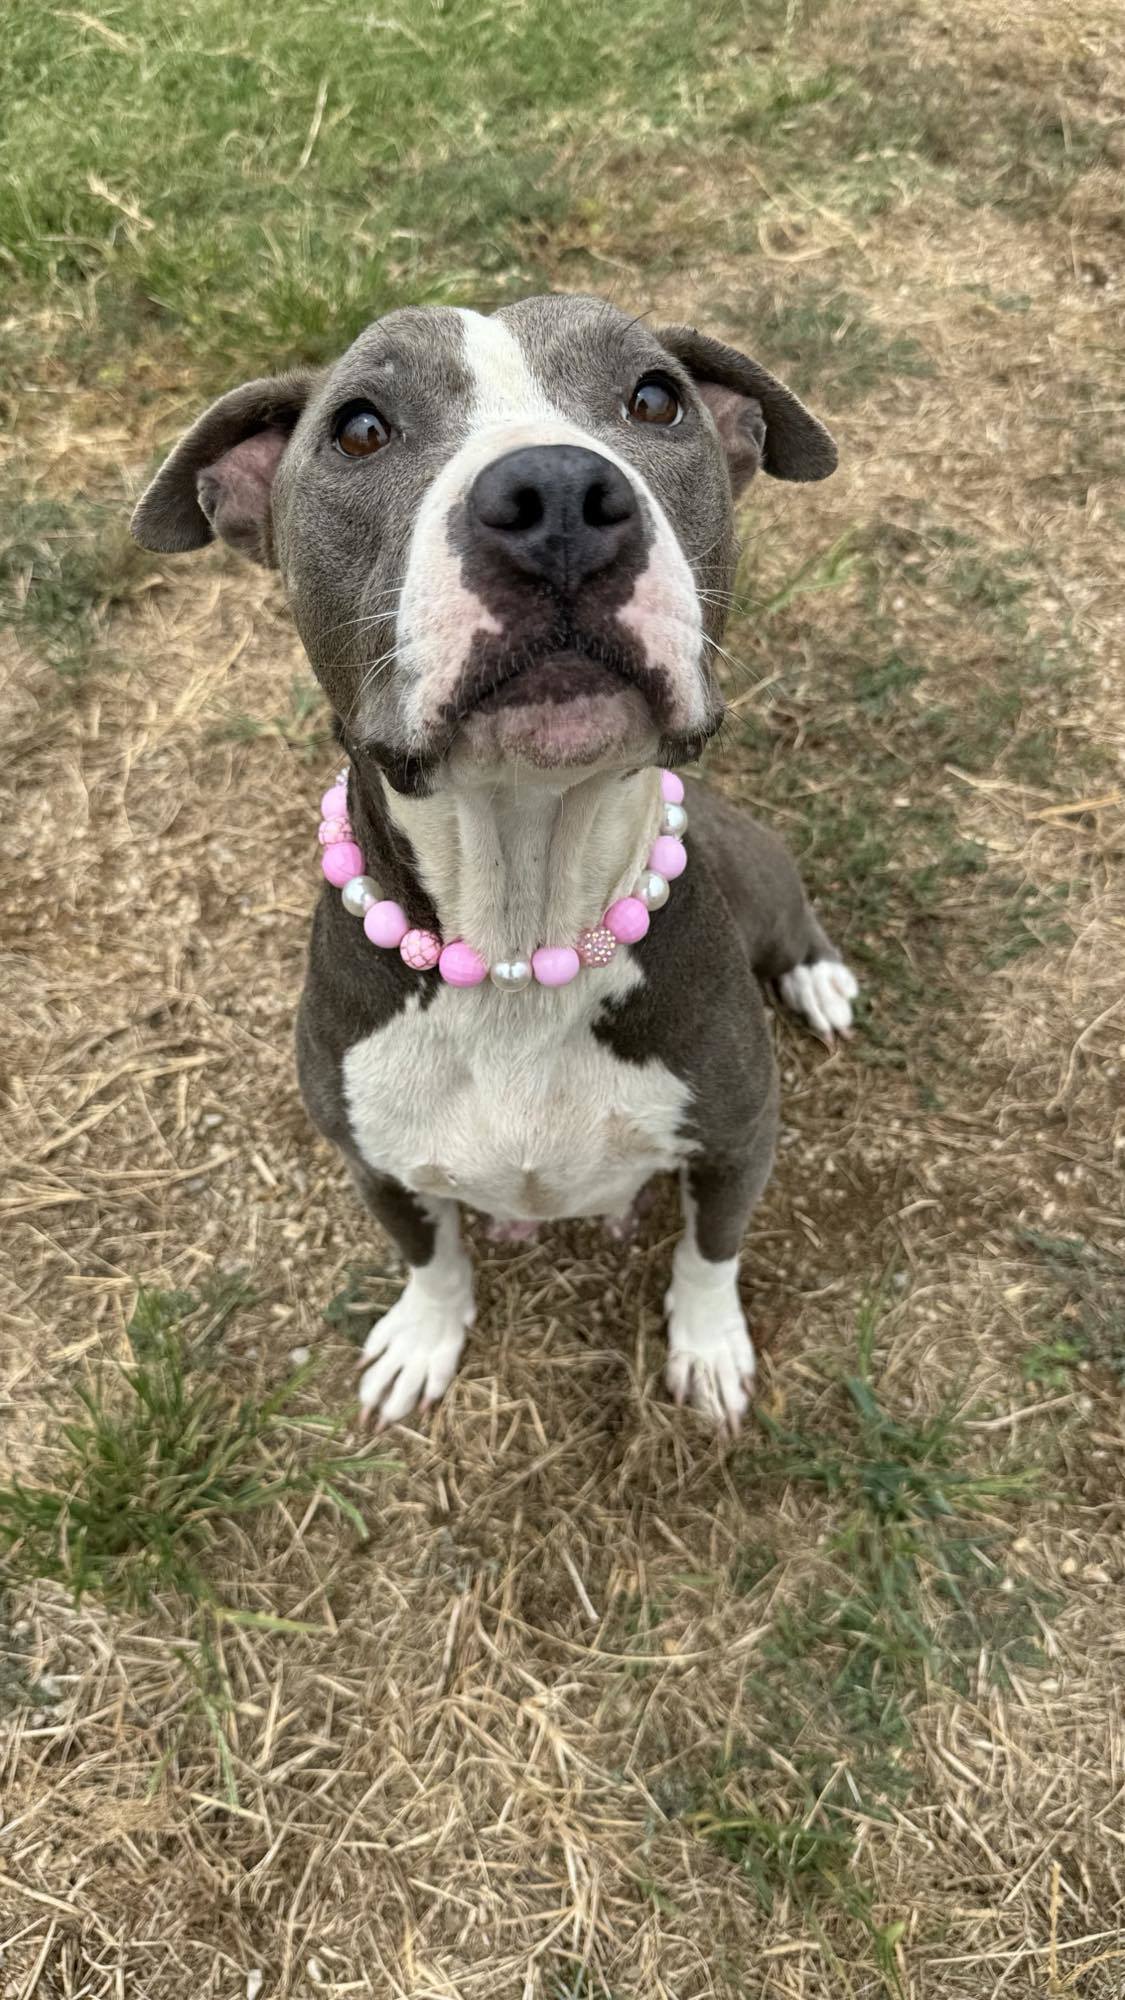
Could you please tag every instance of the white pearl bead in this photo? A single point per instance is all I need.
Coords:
(358, 895)
(510, 974)
(674, 820)
(652, 890)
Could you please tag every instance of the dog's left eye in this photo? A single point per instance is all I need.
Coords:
(360, 430)
(655, 400)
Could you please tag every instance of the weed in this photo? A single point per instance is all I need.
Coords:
(825, 569)
(1034, 920)
(876, 831)
(575, 1981)
(350, 1310)
(19, 1686)
(148, 1480)
(752, 1565)
(62, 568)
(824, 342)
(910, 1593)
(303, 727)
(1081, 1316)
(779, 96)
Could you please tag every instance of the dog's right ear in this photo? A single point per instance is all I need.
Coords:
(219, 479)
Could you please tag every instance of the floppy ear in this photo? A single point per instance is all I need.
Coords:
(760, 422)
(218, 480)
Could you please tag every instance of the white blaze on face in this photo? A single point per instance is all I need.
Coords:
(439, 616)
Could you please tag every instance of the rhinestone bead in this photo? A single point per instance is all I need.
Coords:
(358, 895)
(651, 889)
(596, 945)
(511, 975)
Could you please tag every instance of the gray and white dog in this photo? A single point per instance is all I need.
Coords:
(509, 543)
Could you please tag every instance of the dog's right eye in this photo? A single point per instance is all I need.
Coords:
(360, 430)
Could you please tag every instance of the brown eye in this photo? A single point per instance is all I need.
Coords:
(655, 401)
(360, 430)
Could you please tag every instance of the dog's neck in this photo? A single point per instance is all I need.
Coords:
(517, 864)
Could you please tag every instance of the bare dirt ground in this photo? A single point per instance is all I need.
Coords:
(555, 1710)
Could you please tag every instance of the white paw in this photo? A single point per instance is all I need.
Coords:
(710, 1353)
(823, 992)
(410, 1355)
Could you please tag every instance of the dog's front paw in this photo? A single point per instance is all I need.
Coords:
(710, 1353)
(410, 1355)
(823, 992)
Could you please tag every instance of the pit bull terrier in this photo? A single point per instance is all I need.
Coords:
(509, 543)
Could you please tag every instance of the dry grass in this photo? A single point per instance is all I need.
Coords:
(588, 1714)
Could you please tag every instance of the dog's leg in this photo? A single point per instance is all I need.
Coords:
(763, 886)
(410, 1355)
(710, 1353)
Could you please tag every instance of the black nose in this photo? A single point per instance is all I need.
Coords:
(556, 512)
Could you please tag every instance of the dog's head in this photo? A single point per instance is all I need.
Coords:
(502, 538)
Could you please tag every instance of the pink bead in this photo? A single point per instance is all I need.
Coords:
(628, 919)
(671, 788)
(386, 925)
(332, 830)
(555, 964)
(668, 856)
(340, 862)
(334, 804)
(420, 950)
(460, 965)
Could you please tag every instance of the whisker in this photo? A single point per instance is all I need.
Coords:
(368, 617)
(371, 675)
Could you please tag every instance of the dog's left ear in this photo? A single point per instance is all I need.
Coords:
(219, 479)
(760, 422)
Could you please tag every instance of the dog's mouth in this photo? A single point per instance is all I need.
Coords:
(561, 677)
(569, 698)
(564, 666)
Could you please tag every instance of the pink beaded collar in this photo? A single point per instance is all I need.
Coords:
(387, 924)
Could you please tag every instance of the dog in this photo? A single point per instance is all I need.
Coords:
(508, 543)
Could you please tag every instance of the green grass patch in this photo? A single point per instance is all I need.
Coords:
(931, 661)
(912, 1586)
(823, 342)
(20, 1685)
(991, 698)
(257, 188)
(574, 1981)
(1013, 143)
(351, 1309)
(148, 1476)
(64, 566)
(303, 725)
(1081, 1317)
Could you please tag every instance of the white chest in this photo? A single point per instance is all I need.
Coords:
(507, 1102)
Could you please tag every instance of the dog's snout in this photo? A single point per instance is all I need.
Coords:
(556, 512)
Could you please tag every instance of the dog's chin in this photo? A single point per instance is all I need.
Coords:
(563, 711)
